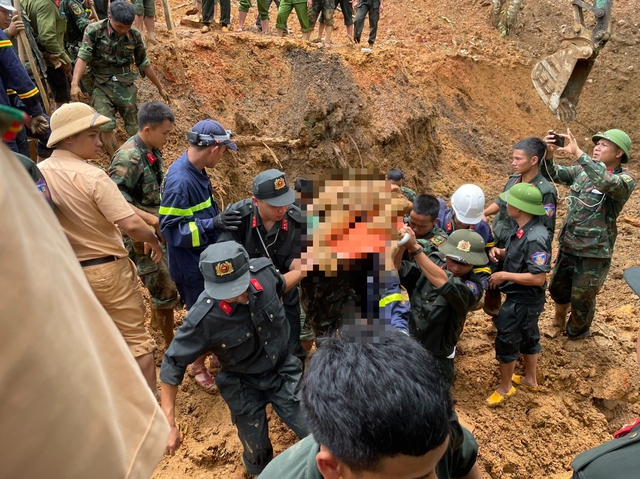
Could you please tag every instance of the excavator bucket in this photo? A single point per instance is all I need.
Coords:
(560, 77)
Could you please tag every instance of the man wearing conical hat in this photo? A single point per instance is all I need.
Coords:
(91, 209)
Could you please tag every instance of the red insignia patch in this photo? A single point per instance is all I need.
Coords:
(254, 221)
(285, 225)
(449, 228)
(151, 158)
(224, 306)
(520, 233)
(256, 285)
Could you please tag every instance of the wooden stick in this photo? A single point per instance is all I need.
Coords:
(16, 5)
(23, 44)
(169, 20)
(274, 142)
(94, 13)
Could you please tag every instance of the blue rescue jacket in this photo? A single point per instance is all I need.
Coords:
(186, 214)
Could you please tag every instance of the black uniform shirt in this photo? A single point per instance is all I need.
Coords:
(249, 339)
(282, 242)
(438, 314)
(528, 250)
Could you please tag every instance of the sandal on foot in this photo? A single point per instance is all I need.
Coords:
(203, 378)
(517, 379)
(497, 399)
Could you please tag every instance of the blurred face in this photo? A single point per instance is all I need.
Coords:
(157, 135)
(269, 213)
(521, 163)
(5, 18)
(85, 144)
(420, 224)
(397, 467)
(119, 28)
(608, 153)
(458, 269)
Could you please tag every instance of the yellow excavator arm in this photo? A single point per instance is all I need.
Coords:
(560, 77)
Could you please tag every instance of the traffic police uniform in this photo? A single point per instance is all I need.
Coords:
(528, 250)
(186, 212)
(138, 172)
(249, 340)
(438, 314)
(589, 232)
(281, 244)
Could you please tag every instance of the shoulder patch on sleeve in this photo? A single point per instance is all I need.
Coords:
(44, 189)
(626, 178)
(75, 8)
(539, 257)
(437, 240)
(472, 286)
(550, 209)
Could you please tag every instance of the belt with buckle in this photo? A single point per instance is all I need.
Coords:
(97, 261)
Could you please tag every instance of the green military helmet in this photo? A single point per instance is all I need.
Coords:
(618, 138)
(525, 197)
(465, 246)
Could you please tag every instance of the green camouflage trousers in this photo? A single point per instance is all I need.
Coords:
(325, 6)
(578, 280)
(155, 277)
(113, 97)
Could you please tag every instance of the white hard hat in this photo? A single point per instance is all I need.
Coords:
(7, 5)
(468, 204)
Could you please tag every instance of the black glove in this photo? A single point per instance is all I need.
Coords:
(227, 221)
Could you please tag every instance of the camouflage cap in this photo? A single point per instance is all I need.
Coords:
(273, 187)
(618, 138)
(465, 246)
(225, 267)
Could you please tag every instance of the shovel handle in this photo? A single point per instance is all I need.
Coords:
(405, 239)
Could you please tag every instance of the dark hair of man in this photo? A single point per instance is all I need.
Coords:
(122, 12)
(300, 182)
(395, 174)
(426, 205)
(532, 146)
(365, 402)
(154, 113)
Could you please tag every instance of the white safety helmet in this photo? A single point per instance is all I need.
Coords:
(468, 204)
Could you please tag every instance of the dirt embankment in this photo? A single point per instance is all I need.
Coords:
(444, 97)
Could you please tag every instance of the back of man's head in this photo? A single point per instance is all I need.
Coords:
(122, 12)
(426, 205)
(532, 146)
(367, 402)
(154, 113)
(395, 174)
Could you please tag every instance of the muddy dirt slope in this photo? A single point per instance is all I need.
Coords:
(443, 96)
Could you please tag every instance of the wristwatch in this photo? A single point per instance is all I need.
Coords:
(416, 252)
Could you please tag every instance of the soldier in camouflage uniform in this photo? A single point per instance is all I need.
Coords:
(326, 7)
(110, 46)
(599, 189)
(77, 19)
(423, 220)
(527, 158)
(137, 169)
